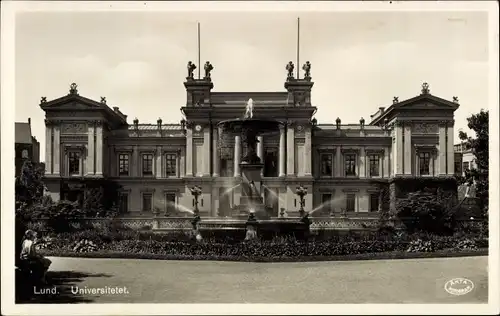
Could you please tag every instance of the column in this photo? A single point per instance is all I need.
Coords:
(307, 152)
(98, 149)
(159, 164)
(362, 163)
(290, 149)
(182, 163)
(48, 149)
(57, 150)
(215, 153)
(441, 170)
(338, 162)
(91, 149)
(189, 151)
(450, 149)
(237, 155)
(385, 169)
(206, 151)
(407, 149)
(282, 152)
(398, 149)
(260, 152)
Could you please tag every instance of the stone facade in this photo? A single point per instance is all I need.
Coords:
(340, 165)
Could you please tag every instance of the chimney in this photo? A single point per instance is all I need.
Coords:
(29, 120)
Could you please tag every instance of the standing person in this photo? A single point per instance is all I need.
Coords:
(35, 262)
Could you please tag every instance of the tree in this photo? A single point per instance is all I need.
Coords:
(479, 123)
(29, 186)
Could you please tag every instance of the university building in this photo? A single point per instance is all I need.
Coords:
(341, 165)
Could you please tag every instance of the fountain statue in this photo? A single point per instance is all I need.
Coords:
(249, 109)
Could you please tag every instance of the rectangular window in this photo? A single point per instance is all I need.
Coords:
(326, 202)
(147, 202)
(171, 165)
(74, 162)
(123, 164)
(271, 162)
(147, 164)
(374, 202)
(170, 202)
(123, 203)
(350, 164)
(226, 167)
(424, 160)
(374, 161)
(350, 202)
(326, 165)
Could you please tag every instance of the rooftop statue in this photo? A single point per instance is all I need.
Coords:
(190, 67)
(208, 68)
(307, 70)
(289, 68)
(249, 109)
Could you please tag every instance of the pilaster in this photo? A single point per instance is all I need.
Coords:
(91, 148)
(57, 150)
(450, 152)
(282, 153)
(159, 162)
(290, 149)
(48, 148)
(338, 162)
(386, 157)
(206, 151)
(398, 148)
(215, 153)
(307, 152)
(362, 163)
(99, 148)
(189, 149)
(407, 149)
(441, 170)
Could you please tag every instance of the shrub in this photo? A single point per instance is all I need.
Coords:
(426, 211)
(420, 245)
(85, 245)
(466, 244)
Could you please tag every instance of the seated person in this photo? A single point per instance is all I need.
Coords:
(36, 263)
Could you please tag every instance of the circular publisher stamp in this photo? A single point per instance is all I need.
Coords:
(459, 286)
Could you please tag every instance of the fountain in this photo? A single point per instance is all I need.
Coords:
(248, 128)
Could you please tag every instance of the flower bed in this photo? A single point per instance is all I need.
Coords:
(183, 247)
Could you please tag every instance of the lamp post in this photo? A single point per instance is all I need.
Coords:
(196, 192)
(301, 192)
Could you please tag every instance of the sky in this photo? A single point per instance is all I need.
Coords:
(360, 60)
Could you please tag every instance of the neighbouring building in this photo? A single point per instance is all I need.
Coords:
(464, 159)
(157, 163)
(27, 147)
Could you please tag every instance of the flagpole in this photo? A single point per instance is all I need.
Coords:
(199, 51)
(298, 46)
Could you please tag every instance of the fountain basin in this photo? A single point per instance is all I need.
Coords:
(257, 126)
